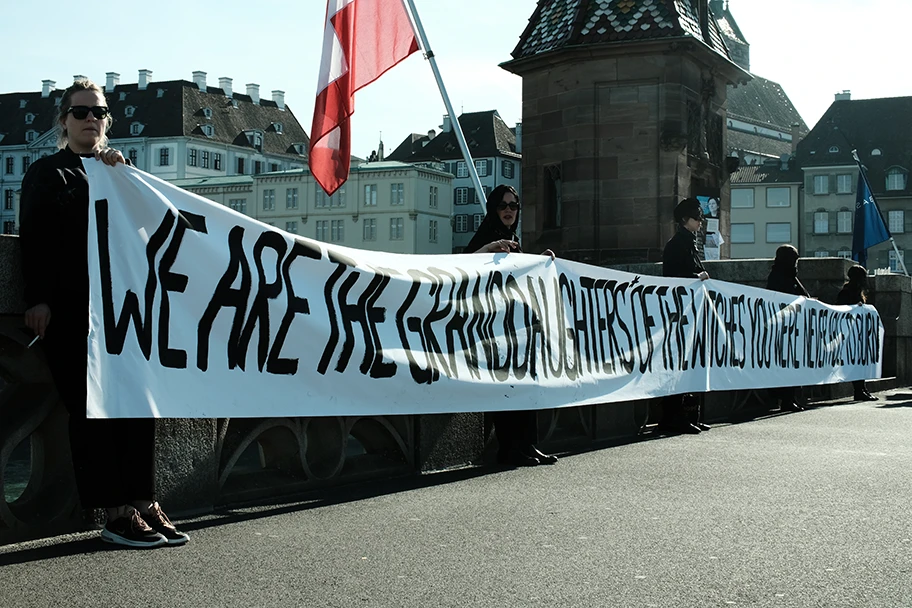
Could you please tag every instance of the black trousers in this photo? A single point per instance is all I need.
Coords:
(113, 459)
(515, 430)
(681, 409)
(859, 386)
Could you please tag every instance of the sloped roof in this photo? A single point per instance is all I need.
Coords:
(485, 132)
(864, 124)
(765, 103)
(753, 143)
(768, 173)
(176, 111)
(566, 23)
(727, 24)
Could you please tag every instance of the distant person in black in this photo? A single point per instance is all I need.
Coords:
(783, 277)
(516, 430)
(680, 259)
(853, 292)
(112, 458)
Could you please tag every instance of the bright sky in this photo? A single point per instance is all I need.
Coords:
(814, 48)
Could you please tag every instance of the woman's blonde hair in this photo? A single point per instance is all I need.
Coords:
(82, 84)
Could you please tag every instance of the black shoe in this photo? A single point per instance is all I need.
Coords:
(791, 406)
(515, 458)
(701, 426)
(690, 429)
(158, 521)
(132, 531)
(542, 458)
(865, 397)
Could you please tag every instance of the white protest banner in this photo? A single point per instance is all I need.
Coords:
(197, 311)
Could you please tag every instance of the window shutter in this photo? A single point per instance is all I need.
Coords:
(471, 198)
(490, 167)
(809, 184)
(833, 184)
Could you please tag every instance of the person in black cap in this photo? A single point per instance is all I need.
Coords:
(681, 413)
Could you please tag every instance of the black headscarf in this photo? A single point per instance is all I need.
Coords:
(492, 228)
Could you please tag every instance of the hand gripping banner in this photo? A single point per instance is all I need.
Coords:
(197, 311)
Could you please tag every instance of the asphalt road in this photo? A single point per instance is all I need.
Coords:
(811, 509)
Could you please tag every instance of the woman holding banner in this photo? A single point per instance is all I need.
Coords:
(112, 458)
(681, 413)
(853, 292)
(516, 431)
(783, 277)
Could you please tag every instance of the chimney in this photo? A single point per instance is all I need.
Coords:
(113, 79)
(225, 85)
(199, 79)
(46, 87)
(846, 95)
(144, 76)
(279, 98)
(445, 127)
(253, 91)
(796, 133)
(78, 77)
(519, 138)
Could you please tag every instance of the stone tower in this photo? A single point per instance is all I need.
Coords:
(623, 108)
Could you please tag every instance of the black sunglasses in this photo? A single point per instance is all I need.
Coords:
(512, 206)
(80, 112)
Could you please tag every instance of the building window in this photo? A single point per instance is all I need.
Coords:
(370, 230)
(164, 157)
(896, 179)
(843, 183)
(821, 254)
(779, 232)
(31, 136)
(29, 118)
(844, 254)
(208, 130)
(476, 221)
(322, 199)
(821, 184)
(844, 222)
(322, 230)
(742, 198)
(9, 227)
(481, 166)
(8, 199)
(291, 227)
(338, 231)
(269, 199)
(136, 128)
(273, 166)
(338, 198)
(897, 221)
(396, 228)
(834, 149)
(821, 222)
(207, 112)
(291, 198)
(26, 163)
(895, 265)
(432, 202)
(238, 204)
(133, 155)
(204, 159)
(10, 165)
(128, 111)
(507, 169)
(876, 152)
(397, 194)
(240, 166)
(461, 196)
(432, 231)
(191, 157)
(370, 195)
(462, 223)
(778, 197)
(217, 161)
(742, 233)
(277, 126)
(257, 167)
(461, 169)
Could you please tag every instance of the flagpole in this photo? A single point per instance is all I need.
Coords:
(864, 176)
(454, 121)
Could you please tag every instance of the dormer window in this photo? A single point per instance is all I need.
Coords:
(876, 152)
(255, 139)
(29, 118)
(123, 95)
(208, 130)
(301, 149)
(160, 93)
(277, 126)
(136, 128)
(896, 179)
(128, 111)
(31, 136)
(207, 112)
(22, 103)
(833, 149)
(56, 101)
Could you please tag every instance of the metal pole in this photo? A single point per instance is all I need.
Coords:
(454, 121)
(864, 176)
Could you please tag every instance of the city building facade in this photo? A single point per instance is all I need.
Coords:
(764, 208)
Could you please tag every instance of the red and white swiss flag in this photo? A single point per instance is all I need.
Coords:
(362, 40)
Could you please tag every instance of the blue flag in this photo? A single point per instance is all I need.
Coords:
(869, 225)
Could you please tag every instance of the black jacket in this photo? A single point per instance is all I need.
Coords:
(850, 294)
(490, 230)
(785, 281)
(53, 235)
(680, 258)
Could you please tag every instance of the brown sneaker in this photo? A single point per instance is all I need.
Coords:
(160, 523)
(132, 531)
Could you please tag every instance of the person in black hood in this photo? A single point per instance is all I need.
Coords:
(113, 459)
(680, 259)
(783, 277)
(516, 430)
(853, 292)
